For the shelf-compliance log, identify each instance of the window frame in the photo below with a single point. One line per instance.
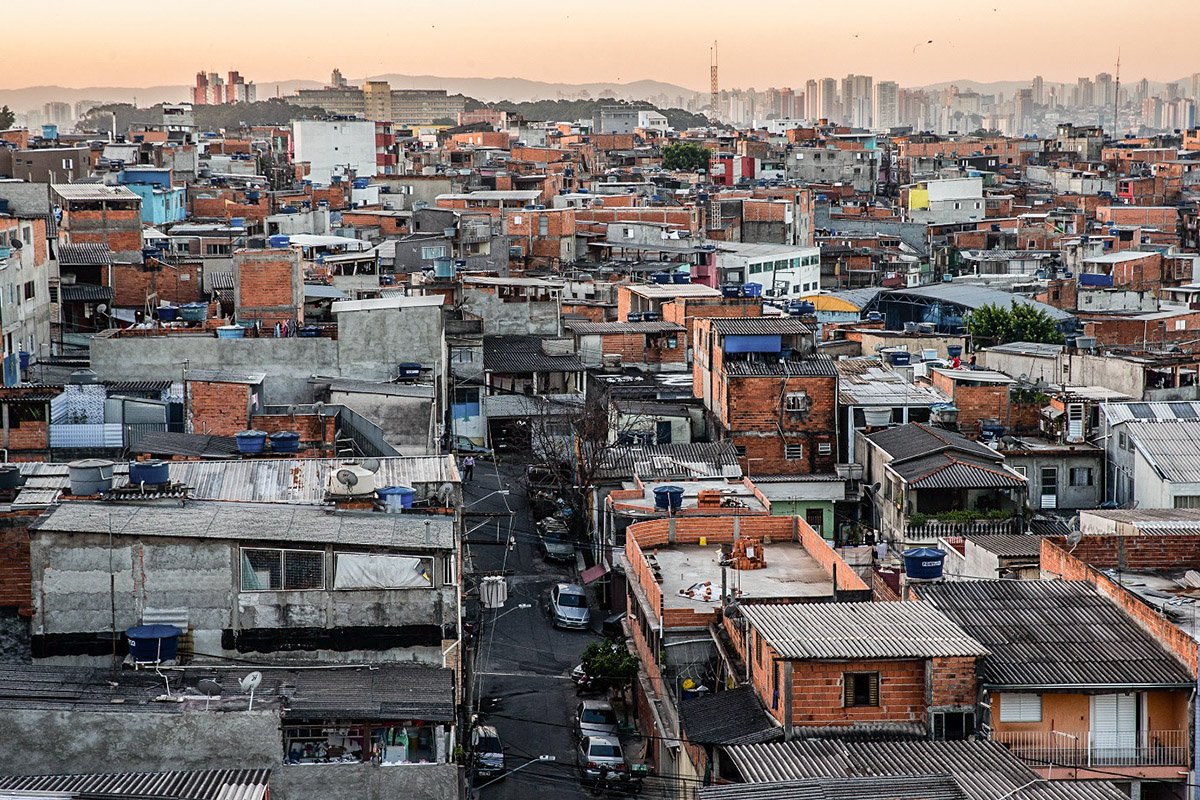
(793, 452)
(282, 551)
(1020, 710)
(850, 695)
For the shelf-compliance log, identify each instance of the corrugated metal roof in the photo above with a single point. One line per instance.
(1126, 412)
(586, 327)
(85, 293)
(972, 297)
(816, 366)
(84, 254)
(1171, 447)
(860, 630)
(941, 787)
(916, 439)
(206, 784)
(950, 471)
(524, 354)
(668, 461)
(1055, 634)
(1015, 545)
(866, 382)
(1028, 349)
(93, 191)
(724, 717)
(759, 326)
(984, 770)
(252, 522)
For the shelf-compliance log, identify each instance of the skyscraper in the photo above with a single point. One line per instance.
(811, 112)
(1039, 90)
(787, 103)
(857, 93)
(827, 104)
(887, 109)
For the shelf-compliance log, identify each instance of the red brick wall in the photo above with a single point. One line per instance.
(120, 230)
(176, 284)
(316, 432)
(31, 436)
(633, 347)
(817, 693)
(267, 286)
(15, 578)
(221, 409)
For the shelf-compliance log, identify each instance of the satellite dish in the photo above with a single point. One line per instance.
(445, 493)
(16, 243)
(1074, 539)
(210, 689)
(100, 309)
(347, 477)
(371, 464)
(249, 684)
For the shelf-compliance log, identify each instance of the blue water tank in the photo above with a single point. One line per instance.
(285, 441)
(149, 473)
(899, 358)
(803, 309)
(752, 290)
(443, 268)
(361, 183)
(309, 332)
(668, 497)
(251, 442)
(681, 276)
(651, 316)
(954, 350)
(150, 644)
(924, 563)
(633, 316)
(193, 312)
(49, 131)
(731, 290)
(168, 313)
(280, 240)
(396, 498)
(231, 332)
(237, 222)
(408, 370)
(660, 277)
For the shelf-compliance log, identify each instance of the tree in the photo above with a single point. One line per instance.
(7, 118)
(610, 664)
(686, 156)
(1020, 322)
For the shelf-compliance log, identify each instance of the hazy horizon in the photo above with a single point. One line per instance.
(976, 40)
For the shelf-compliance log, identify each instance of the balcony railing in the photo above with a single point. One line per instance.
(1083, 749)
(936, 528)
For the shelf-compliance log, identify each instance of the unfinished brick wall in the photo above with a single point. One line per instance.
(953, 681)
(818, 693)
(15, 576)
(316, 432)
(121, 230)
(178, 283)
(221, 409)
(268, 286)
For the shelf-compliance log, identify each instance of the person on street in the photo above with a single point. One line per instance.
(468, 468)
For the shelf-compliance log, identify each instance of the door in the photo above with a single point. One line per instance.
(662, 432)
(815, 518)
(1075, 422)
(1114, 728)
(1049, 494)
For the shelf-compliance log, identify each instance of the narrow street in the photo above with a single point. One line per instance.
(522, 663)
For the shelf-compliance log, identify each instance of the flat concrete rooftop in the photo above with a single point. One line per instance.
(790, 573)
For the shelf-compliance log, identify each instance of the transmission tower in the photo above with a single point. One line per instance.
(714, 89)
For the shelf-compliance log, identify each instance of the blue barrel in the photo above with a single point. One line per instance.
(168, 313)
(231, 332)
(193, 312)
(899, 358)
(149, 644)
(309, 332)
(251, 442)
(681, 276)
(280, 241)
(237, 222)
(633, 316)
(150, 473)
(23, 357)
(408, 370)
(660, 277)
(285, 441)
(731, 290)
(752, 290)
(396, 498)
(924, 563)
(954, 350)
(668, 497)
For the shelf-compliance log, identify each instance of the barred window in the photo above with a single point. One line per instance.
(270, 569)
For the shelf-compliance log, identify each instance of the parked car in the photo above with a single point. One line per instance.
(487, 754)
(557, 546)
(465, 447)
(569, 606)
(595, 718)
(601, 759)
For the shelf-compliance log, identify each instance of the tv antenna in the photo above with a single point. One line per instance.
(249, 684)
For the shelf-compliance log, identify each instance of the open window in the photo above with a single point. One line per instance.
(860, 689)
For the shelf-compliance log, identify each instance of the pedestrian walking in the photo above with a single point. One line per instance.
(468, 468)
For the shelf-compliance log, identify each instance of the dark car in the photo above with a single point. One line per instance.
(465, 447)
(487, 754)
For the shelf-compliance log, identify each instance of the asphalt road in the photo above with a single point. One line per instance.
(522, 663)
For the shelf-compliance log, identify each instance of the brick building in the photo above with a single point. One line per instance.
(268, 286)
(898, 665)
(220, 403)
(93, 213)
(768, 392)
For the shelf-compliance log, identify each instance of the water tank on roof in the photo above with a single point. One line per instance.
(284, 441)
(90, 476)
(899, 358)
(251, 442)
(396, 498)
(149, 473)
(153, 644)
(82, 377)
(924, 563)
(660, 277)
(668, 497)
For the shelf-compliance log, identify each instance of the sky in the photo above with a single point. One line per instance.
(776, 43)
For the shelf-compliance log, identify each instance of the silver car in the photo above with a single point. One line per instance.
(601, 757)
(569, 606)
(595, 718)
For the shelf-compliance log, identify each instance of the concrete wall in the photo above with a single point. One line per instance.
(408, 423)
(371, 343)
(512, 318)
(104, 741)
(287, 363)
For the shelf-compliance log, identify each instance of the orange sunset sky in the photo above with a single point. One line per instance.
(773, 43)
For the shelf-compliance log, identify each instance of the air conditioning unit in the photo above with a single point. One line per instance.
(350, 480)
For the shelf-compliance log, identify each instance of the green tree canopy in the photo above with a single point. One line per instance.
(609, 662)
(1021, 322)
(687, 156)
(7, 118)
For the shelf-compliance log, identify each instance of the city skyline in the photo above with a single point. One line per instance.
(979, 41)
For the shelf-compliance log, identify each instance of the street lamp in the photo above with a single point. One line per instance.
(539, 760)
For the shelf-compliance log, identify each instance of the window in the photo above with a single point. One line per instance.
(217, 249)
(739, 450)
(543, 225)
(860, 689)
(30, 290)
(1082, 476)
(793, 452)
(27, 234)
(1122, 441)
(428, 253)
(824, 448)
(367, 571)
(1022, 471)
(758, 650)
(1187, 501)
(1020, 707)
(797, 402)
(269, 569)
(952, 726)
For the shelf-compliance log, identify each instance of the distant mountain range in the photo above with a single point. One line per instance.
(485, 89)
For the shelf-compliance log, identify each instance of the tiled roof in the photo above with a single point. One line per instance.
(523, 354)
(759, 326)
(903, 442)
(724, 717)
(950, 470)
(84, 255)
(201, 784)
(984, 770)
(1055, 634)
(860, 631)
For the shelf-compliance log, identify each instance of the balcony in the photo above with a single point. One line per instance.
(1084, 749)
(932, 529)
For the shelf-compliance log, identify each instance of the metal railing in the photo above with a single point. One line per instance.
(1084, 749)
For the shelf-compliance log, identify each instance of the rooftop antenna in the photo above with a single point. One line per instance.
(249, 684)
(1117, 93)
(713, 85)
